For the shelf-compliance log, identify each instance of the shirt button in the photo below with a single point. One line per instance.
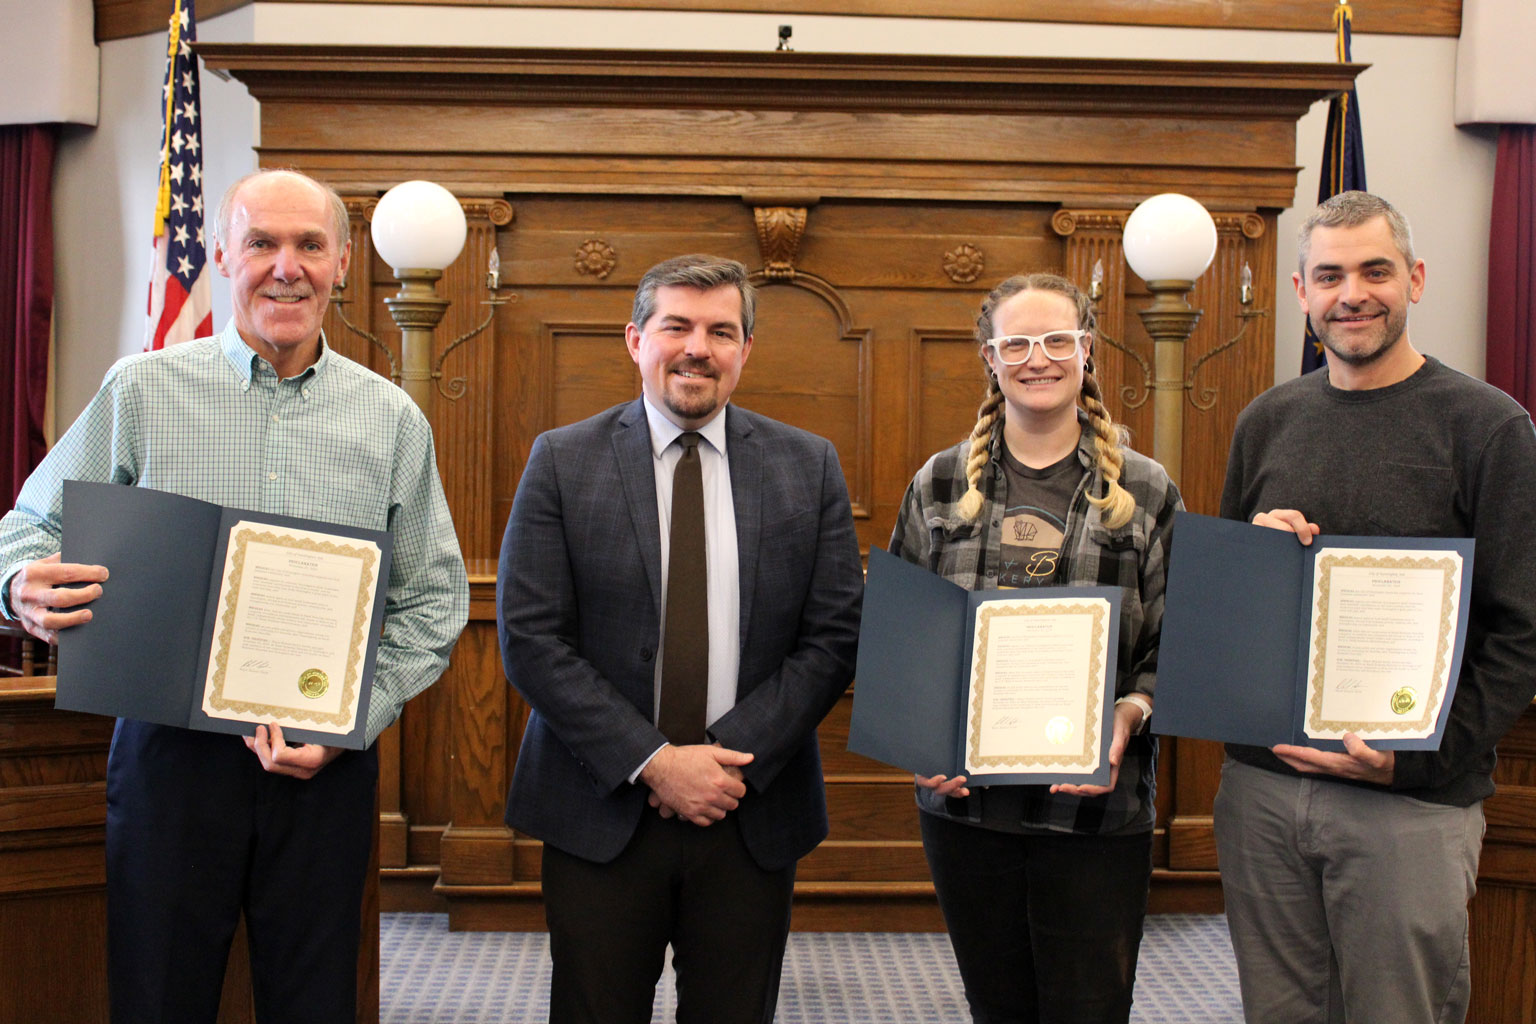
(274, 419)
(271, 476)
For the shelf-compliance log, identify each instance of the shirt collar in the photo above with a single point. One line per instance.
(664, 431)
(1087, 451)
(242, 357)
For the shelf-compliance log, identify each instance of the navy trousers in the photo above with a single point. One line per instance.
(198, 833)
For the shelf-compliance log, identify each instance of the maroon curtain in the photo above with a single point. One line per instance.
(26, 295)
(1512, 266)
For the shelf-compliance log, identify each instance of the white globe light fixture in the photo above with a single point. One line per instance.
(418, 229)
(1170, 237)
(419, 225)
(1169, 241)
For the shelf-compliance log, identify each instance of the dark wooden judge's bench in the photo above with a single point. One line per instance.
(877, 198)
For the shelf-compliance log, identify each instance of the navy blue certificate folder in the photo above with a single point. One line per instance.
(1233, 660)
(913, 672)
(145, 652)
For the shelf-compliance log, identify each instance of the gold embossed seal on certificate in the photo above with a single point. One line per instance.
(313, 683)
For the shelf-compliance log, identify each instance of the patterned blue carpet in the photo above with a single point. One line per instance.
(433, 976)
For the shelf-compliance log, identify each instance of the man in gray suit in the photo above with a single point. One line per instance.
(677, 665)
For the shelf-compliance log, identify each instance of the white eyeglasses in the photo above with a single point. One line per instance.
(1014, 349)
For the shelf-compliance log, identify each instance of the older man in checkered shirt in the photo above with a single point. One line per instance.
(263, 416)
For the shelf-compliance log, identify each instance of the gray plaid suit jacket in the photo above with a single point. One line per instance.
(579, 604)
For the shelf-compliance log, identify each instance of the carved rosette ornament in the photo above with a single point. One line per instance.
(595, 258)
(964, 263)
(779, 231)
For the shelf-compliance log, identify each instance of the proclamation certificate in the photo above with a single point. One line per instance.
(1037, 686)
(1383, 629)
(291, 629)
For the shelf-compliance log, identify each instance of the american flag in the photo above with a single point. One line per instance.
(180, 298)
(1343, 158)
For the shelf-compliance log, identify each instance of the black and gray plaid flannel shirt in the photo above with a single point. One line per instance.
(1134, 557)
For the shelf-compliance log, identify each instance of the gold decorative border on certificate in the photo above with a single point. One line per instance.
(1326, 564)
(368, 554)
(1087, 756)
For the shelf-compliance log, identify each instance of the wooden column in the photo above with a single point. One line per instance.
(477, 850)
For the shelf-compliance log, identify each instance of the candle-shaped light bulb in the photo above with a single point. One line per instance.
(1246, 293)
(1096, 288)
(493, 272)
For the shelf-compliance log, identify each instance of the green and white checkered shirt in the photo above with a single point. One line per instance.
(210, 420)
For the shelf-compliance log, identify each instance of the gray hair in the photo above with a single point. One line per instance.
(226, 211)
(1348, 210)
(696, 270)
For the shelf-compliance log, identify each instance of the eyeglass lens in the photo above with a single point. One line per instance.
(1016, 348)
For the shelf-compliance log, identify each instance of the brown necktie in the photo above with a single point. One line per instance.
(685, 645)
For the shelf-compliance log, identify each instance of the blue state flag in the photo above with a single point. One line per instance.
(1343, 160)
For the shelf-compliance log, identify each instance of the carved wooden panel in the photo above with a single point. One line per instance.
(1503, 913)
(1232, 378)
(811, 368)
(52, 856)
(53, 912)
(948, 382)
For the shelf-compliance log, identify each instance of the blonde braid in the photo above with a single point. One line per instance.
(981, 447)
(1116, 506)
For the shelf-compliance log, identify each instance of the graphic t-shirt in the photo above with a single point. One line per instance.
(1035, 519)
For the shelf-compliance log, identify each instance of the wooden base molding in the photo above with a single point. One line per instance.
(819, 906)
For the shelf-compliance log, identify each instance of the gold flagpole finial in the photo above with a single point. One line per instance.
(1341, 13)
(1343, 18)
(163, 196)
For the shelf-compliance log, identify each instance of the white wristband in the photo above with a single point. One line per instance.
(1140, 702)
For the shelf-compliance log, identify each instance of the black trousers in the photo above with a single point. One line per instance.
(1046, 928)
(197, 833)
(698, 889)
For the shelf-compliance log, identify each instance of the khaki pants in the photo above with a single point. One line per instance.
(1345, 902)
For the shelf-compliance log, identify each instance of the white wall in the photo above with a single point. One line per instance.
(49, 74)
(1496, 81)
(1439, 175)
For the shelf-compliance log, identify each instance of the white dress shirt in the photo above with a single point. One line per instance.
(722, 567)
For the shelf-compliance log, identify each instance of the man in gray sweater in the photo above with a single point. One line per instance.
(1347, 874)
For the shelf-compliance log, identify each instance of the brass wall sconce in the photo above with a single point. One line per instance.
(1169, 241)
(419, 229)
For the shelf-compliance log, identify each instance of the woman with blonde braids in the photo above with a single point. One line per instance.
(1044, 889)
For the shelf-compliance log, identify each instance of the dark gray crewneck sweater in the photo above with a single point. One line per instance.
(1439, 454)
